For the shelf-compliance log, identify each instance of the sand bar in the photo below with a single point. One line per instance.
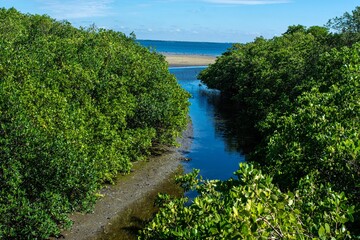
(188, 60)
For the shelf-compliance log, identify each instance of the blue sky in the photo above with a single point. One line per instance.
(185, 20)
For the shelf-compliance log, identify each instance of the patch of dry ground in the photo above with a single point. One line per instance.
(138, 187)
(132, 191)
(188, 60)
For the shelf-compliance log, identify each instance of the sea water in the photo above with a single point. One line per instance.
(189, 48)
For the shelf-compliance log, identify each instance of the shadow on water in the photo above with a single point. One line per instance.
(222, 136)
(234, 126)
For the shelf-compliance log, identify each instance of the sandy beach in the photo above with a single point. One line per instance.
(188, 60)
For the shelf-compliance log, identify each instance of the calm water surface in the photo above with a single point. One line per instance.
(215, 150)
(212, 150)
(177, 47)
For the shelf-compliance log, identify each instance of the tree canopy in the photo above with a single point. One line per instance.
(77, 106)
(346, 27)
(301, 91)
(348, 22)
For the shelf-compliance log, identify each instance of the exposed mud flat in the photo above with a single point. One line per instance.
(128, 204)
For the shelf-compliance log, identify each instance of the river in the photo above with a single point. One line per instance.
(212, 151)
(216, 148)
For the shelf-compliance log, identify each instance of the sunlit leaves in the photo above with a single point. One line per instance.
(322, 132)
(251, 207)
(77, 107)
(302, 91)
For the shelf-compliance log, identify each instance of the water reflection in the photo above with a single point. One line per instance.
(234, 126)
(217, 149)
(221, 138)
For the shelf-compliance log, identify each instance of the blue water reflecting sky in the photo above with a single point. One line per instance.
(209, 151)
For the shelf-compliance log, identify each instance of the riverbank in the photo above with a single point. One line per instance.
(136, 189)
(179, 60)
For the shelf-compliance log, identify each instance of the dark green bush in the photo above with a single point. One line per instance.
(301, 90)
(251, 207)
(77, 106)
(323, 131)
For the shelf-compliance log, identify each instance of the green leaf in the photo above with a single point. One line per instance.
(260, 208)
(321, 232)
(327, 228)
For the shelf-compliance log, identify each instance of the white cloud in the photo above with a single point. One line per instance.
(75, 9)
(248, 2)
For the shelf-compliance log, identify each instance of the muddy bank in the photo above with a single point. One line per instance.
(131, 193)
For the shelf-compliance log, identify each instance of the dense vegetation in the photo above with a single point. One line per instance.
(251, 207)
(77, 106)
(302, 92)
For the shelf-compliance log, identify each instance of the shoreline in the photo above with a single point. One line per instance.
(187, 60)
(147, 178)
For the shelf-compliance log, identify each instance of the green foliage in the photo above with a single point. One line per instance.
(261, 74)
(302, 92)
(323, 131)
(348, 22)
(77, 106)
(251, 207)
(346, 27)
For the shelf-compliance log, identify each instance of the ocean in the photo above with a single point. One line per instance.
(191, 48)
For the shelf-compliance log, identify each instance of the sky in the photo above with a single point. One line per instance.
(185, 20)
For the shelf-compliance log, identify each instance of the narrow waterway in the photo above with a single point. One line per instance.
(214, 149)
